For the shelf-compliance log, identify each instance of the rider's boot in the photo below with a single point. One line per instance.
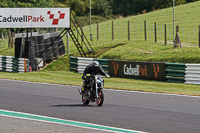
(82, 90)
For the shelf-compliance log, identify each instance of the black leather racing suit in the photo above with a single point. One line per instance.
(92, 70)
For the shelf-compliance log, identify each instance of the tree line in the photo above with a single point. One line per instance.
(107, 8)
(104, 8)
(131, 7)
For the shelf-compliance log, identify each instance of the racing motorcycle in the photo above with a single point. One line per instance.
(93, 91)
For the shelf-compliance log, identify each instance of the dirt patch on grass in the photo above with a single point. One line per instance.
(100, 51)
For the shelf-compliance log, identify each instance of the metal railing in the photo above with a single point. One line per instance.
(15, 65)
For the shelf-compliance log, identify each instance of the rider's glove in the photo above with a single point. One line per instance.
(108, 76)
(83, 77)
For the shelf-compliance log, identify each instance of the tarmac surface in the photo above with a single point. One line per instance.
(15, 125)
(147, 112)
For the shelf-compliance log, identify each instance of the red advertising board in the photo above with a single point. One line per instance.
(34, 17)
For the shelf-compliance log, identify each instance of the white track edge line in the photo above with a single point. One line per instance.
(69, 121)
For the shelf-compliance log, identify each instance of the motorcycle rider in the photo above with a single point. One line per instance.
(93, 69)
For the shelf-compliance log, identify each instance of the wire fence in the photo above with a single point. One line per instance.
(128, 30)
(117, 30)
(3, 40)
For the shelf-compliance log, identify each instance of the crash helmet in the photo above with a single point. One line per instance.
(95, 64)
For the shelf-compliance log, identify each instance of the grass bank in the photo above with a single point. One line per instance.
(152, 52)
(139, 50)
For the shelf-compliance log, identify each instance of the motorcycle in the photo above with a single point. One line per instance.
(93, 90)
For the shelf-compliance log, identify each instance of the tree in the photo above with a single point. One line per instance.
(102, 8)
(7, 3)
(78, 6)
(191, 1)
(35, 3)
(124, 7)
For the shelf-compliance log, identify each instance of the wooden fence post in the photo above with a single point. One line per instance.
(112, 31)
(155, 32)
(9, 38)
(12, 39)
(165, 34)
(145, 30)
(128, 30)
(177, 39)
(199, 36)
(97, 31)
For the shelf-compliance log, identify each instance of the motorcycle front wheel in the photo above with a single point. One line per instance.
(85, 100)
(100, 100)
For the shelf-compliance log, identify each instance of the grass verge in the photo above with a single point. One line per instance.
(71, 78)
(152, 52)
(7, 51)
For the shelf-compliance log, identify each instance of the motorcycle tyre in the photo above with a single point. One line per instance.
(101, 98)
(85, 100)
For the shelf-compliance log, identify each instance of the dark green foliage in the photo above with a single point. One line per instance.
(191, 0)
(27, 3)
(128, 7)
(78, 6)
(103, 8)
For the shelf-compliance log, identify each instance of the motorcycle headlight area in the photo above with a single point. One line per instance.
(99, 83)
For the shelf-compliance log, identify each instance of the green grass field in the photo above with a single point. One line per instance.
(4, 50)
(186, 16)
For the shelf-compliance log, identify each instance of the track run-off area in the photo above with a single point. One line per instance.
(122, 111)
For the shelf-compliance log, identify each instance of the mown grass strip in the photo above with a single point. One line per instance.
(72, 78)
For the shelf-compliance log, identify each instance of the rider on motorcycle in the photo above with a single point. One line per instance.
(93, 69)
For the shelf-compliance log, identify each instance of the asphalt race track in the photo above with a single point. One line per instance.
(147, 112)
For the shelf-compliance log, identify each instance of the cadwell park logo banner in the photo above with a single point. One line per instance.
(137, 70)
(34, 17)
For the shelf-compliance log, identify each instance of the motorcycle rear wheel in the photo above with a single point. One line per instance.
(100, 100)
(85, 100)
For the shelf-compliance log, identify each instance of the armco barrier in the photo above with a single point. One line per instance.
(11, 64)
(192, 74)
(175, 72)
(78, 64)
(73, 63)
(82, 63)
(103, 63)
